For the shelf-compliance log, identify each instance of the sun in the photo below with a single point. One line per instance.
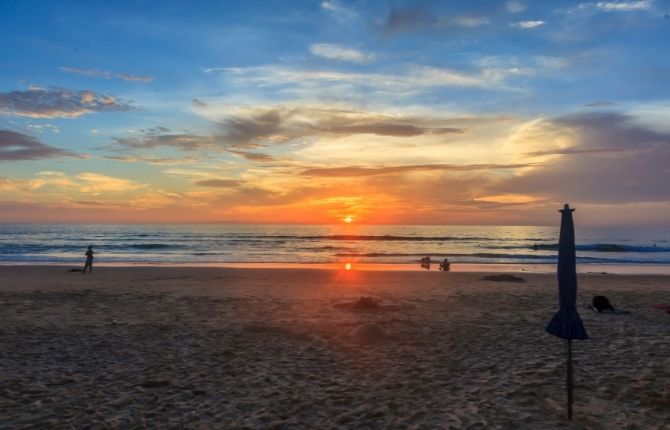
(348, 219)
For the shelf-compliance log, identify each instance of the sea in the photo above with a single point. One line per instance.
(380, 244)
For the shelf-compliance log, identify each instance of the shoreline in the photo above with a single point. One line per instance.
(603, 269)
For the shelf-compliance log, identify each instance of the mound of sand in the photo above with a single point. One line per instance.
(369, 333)
(362, 304)
(372, 304)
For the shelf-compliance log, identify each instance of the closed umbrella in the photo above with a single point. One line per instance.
(567, 324)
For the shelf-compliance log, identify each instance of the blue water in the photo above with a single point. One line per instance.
(23, 243)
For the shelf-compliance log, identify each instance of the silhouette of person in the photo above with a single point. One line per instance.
(425, 263)
(89, 261)
(445, 265)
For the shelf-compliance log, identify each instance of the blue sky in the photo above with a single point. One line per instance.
(309, 111)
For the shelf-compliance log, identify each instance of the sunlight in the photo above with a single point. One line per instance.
(347, 266)
(348, 219)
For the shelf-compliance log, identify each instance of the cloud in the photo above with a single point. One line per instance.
(600, 104)
(577, 151)
(152, 160)
(136, 78)
(409, 80)
(262, 126)
(252, 156)
(339, 53)
(354, 171)
(40, 128)
(603, 158)
(220, 183)
(337, 8)
(399, 20)
(421, 18)
(238, 134)
(95, 183)
(330, 5)
(624, 6)
(591, 21)
(17, 146)
(183, 141)
(52, 183)
(391, 129)
(527, 24)
(91, 73)
(105, 74)
(39, 102)
(514, 7)
(464, 21)
(254, 125)
(340, 12)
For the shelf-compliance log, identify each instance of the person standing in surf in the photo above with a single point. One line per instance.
(89, 260)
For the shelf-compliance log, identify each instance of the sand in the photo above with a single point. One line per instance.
(289, 349)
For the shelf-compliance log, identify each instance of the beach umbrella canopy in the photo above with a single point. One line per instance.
(567, 323)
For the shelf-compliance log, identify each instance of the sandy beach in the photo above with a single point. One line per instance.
(234, 348)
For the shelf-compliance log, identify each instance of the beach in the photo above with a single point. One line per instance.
(207, 347)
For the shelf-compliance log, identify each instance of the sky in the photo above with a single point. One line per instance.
(388, 112)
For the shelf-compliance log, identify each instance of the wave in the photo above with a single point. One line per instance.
(604, 247)
(148, 246)
(324, 248)
(353, 237)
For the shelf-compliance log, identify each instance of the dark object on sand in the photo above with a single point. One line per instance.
(567, 323)
(603, 306)
(365, 303)
(503, 278)
(75, 270)
(601, 303)
(370, 304)
(662, 307)
(370, 334)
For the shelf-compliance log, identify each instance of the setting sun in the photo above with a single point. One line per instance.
(348, 219)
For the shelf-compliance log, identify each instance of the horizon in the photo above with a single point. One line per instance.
(332, 224)
(315, 113)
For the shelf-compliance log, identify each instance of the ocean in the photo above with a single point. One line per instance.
(187, 244)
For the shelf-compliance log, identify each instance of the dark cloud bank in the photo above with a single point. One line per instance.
(58, 103)
(17, 146)
(616, 159)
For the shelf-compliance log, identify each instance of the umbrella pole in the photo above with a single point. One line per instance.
(569, 379)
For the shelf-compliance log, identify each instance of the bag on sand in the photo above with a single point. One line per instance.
(601, 303)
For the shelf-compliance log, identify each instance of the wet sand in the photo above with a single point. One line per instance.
(290, 348)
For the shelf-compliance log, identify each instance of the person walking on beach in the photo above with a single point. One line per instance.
(89, 261)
